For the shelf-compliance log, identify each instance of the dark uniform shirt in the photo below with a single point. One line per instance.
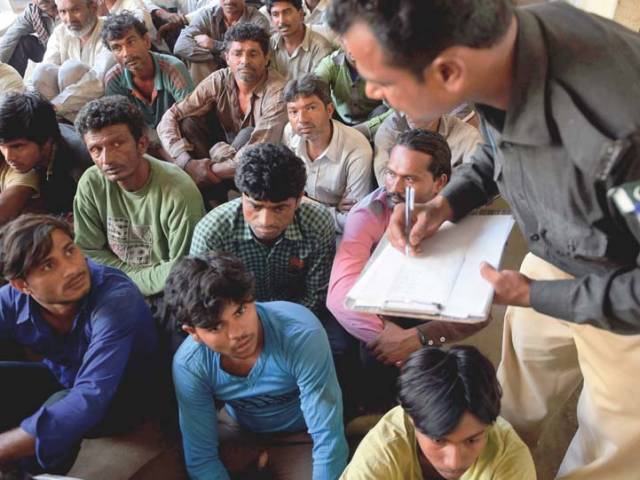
(570, 134)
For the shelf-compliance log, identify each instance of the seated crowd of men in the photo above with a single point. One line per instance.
(121, 245)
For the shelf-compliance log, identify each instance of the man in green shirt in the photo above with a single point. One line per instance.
(348, 95)
(286, 243)
(446, 426)
(131, 211)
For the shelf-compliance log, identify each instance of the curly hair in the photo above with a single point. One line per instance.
(270, 172)
(29, 116)
(438, 386)
(242, 32)
(110, 110)
(199, 288)
(116, 26)
(26, 241)
(414, 32)
(307, 85)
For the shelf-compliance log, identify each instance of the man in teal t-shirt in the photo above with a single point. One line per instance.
(131, 211)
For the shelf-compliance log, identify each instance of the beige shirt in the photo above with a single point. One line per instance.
(461, 137)
(342, 171)
(63, 46)
(305, 57)
(267, 113)
(12, 178)
(10, 79)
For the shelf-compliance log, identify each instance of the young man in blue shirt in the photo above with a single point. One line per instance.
(268, 363)
(95, 337)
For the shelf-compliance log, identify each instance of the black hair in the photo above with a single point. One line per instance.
(296, 3)
(432, 144)
(199, 288)
(29, 116)
(116, 26)
(307, 85)
(270, 172)
(242, 32)
(26, 241)
(438, 386)
(110, 110)
(414, 32)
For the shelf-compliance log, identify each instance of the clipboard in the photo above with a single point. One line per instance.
(443, 282)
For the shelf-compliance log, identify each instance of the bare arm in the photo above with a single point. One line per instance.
(14, 445)
(13, 200)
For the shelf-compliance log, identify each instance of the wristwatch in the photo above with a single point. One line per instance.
(427, 342)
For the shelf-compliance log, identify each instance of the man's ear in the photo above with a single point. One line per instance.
(191, 331)
(143, 144)
(21, 285)
(440, 182)
(447, 71)
(330, 109)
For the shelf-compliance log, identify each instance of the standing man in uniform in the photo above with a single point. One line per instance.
(559, 136)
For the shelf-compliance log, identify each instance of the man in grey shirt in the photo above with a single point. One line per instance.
(202, 42)
(553, 86)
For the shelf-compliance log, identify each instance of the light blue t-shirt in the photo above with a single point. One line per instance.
(292, 387)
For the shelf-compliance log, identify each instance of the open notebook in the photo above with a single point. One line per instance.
(443, 282)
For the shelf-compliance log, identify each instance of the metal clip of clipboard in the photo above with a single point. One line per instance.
(431, 308)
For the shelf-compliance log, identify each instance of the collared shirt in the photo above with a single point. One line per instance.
(348, 94)
(461, 137)
(63, 46)
(365, 226)
(142, 13)
(304, 59)
(561, 144)
(210, 21)
(342, 171)
(292, 387)
(267, 113)
(112, 338)
(296, 268)
(171, 83)
(23, 25)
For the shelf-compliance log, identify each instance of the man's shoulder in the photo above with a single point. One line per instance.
(275, 82)
(319, 41)
(114, 76)
(173, 68)
(351, 138)
(315, 219)
(254, 16)
(222, 219)
(191, 355)
(91, 179)
(112, 288)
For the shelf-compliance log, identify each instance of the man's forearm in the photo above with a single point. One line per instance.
(14, 445)
(224, 170)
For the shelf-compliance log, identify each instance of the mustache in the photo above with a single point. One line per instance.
(395, 197)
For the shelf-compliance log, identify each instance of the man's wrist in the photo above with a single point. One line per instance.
(427, 341)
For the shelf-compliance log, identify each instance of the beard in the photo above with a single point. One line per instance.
(395, 198)
(84, 30)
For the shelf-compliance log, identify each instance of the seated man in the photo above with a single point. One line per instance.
(461, 137)
(295, 48)
(269, 363)
(236, 106)
(446, 426)
(75, 61)
(337, 157)
(348, 95)
(131, 211)
(287, 244)
(96, 338)
(32, 142)
(421, 160)
(151, 81)
(202, 42)
(26, 39)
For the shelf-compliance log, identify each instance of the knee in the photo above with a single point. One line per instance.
(44, 79)
(71, 72)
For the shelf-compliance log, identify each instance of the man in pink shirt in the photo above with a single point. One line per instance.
(421, 160)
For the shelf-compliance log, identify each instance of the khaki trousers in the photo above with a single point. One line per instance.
(543, 361)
